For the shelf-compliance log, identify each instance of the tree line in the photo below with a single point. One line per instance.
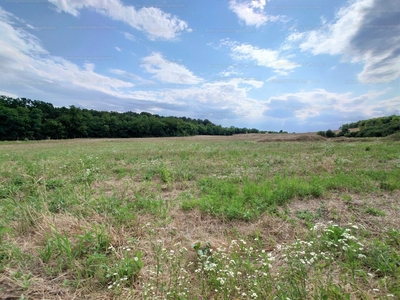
(22, 118)
(377, 127)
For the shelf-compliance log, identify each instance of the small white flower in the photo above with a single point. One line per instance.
(135, 258)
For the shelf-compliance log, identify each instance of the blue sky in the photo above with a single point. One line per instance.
(292, 65)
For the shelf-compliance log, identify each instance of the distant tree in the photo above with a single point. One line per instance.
(24, 118)
(330, 134)
(53, 129)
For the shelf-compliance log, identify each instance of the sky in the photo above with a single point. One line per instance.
(297, 66)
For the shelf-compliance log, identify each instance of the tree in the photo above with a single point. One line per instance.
(330, 134)
(53, 129)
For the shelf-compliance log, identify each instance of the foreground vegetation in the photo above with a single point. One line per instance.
(198, 218)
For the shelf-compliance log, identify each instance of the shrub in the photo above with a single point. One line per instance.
(330, 134)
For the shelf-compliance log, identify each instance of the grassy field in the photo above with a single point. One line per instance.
(243, 217)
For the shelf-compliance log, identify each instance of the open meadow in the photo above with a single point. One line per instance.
(254, 216)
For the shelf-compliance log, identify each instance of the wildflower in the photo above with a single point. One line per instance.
(254, 295)
(135, 258)
(361, 256)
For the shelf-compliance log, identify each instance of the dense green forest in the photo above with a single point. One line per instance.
(377, 127)
(22, 118)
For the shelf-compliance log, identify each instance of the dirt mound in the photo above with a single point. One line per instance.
(310, 138)
(393, 137)
(292, 138)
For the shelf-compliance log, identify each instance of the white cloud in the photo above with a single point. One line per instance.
(218, 100)
(129, 36)
(27, 67)
(262, 57)
(118, 49)
(365, 31)
(387, 107)
(229, 72)
(151, 20)
(135, 79)
(252, 12)
(167, 71)
(248, 81)
(319, 102)
(12, 95)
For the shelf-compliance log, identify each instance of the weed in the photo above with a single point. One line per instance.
(165, 174)
(375, 212)
(306, 215)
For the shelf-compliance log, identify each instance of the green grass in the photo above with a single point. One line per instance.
(200, 219)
